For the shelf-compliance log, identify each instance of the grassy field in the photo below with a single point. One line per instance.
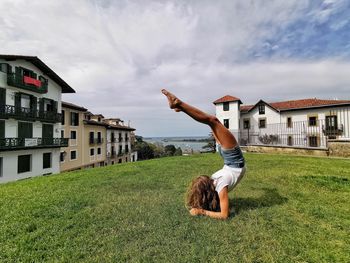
(286, 209)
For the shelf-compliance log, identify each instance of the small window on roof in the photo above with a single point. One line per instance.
(261, 109)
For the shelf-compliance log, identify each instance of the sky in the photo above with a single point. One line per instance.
(117, 55)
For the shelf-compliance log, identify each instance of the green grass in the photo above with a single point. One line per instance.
(286, 209)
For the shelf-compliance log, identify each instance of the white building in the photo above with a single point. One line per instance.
(119, 142)
(301, 123)
(30, 116)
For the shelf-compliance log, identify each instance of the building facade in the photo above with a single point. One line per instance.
(298, 123)
(94, 140)
(30, 118)
(120, 140)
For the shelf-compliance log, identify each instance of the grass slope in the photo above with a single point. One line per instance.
(286, 209)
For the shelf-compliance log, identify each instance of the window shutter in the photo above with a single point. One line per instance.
(2, 96)
(33, 103)
(18, 101)
(9, 68)
(41, 105)
(19, 75)
(2, 129)
(54, 106)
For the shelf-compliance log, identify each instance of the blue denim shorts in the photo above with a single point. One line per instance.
(232, 157)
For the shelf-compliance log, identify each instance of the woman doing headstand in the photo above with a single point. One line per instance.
(209, 195)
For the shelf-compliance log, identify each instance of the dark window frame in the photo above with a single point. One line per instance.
(312, 121)
(75, 136)
(47, 160)
(20, 165)
(226, 106)
(260, 124)
(227, 123)
(245, 122)
(261, 109)
(75, 155)
(74, 118)
(92, 151)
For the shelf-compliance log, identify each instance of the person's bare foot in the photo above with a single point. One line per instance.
(174, 102)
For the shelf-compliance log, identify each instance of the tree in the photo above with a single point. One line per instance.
(211, 145)
(144, 150)
(169, 150)
(178, 152)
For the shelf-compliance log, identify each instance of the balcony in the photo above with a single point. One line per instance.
(96, 140)
(333, 131)
(7, 144)
(17, 81)
(28, 114)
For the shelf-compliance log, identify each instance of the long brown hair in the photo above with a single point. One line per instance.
(202, 194)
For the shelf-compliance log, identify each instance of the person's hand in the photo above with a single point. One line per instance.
(196, 211)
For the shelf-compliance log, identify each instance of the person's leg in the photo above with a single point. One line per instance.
(222, 135)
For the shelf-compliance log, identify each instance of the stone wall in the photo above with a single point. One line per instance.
(285, 150)
(336, 148)
(339, 148)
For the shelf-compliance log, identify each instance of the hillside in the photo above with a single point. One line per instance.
(286, 209)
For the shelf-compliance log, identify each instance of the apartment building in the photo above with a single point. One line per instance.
(72, 127)
(94, 140)
(297, 123)
(120, 139)
(30, 118)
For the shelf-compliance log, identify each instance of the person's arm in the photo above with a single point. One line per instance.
(224, 205)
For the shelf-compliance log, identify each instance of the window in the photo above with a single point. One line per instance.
(24, 163)
(313, 141)
(331, 123)
(261, 109)
(91, 137)
(289, 122)
(25, 101)
(98, 151)
(46, 160)
(226, 123)
(246, 124)
(73, 155)
(120, 137)
(73, 135)
(119, 160)
(25, 130)
(312, 121)
(99, 119)
(62, 154)
(4, 67)
(290, 140)
(112, 137)
(63, 117)
(74, 119)
(99, 138)
(62, 133)
(126, 148)
(92, 152)
(226, 106)
(120, 149)
(262, 123)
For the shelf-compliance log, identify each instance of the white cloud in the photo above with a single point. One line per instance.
(117, 55)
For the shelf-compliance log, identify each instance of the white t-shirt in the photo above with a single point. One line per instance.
(227, 176)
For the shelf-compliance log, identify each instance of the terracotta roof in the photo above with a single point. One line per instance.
(227, 98)
(298, 104)
(306, 103)
(44, 68)
(72, 106)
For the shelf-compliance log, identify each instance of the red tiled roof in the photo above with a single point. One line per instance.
(227, 98)
(306, 103)
(298, 104)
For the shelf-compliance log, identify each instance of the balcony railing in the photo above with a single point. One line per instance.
(22, 143)
(96, 140)
(21, 113)
(332, 131)
(17, 81)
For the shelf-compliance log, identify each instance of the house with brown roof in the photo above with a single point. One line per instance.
(30, 118)
(298, 123)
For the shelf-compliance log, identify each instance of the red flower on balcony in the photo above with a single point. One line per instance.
(29, 80)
